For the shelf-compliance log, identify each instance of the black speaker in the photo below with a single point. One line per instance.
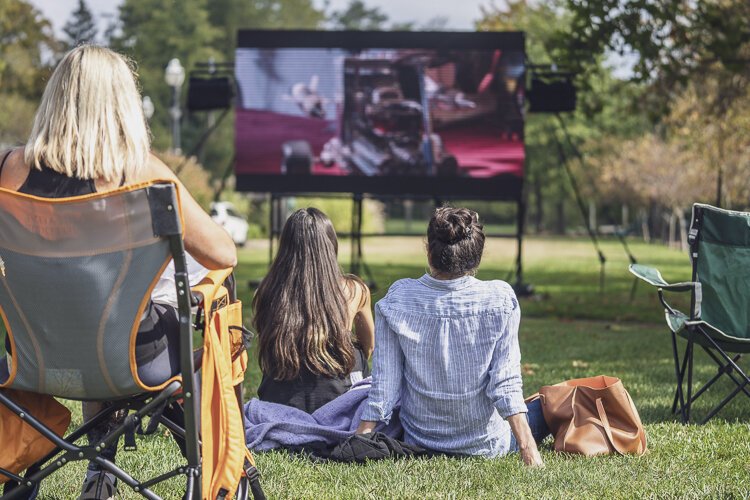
(209, 93)
(552, 94)
(297, 158)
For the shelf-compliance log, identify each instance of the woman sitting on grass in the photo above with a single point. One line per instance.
(304, 312)
(447, 346)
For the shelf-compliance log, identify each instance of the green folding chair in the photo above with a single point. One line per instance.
(75, 277)
(719, 317)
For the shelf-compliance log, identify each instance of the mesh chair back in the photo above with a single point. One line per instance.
(77, 274)
(720, 249)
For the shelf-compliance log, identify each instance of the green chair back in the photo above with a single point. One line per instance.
(720, 248)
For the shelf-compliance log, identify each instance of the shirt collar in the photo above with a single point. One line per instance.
(454, 284)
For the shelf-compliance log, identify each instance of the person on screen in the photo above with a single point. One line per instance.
(89, 135)
(446, 346)
(305, 309)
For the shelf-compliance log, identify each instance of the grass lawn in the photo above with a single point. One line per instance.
(570, 329)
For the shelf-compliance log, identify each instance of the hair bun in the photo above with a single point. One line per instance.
(453, 225)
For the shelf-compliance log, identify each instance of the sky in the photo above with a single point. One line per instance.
(461, 14)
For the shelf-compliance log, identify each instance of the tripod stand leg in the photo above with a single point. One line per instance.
(357, 260)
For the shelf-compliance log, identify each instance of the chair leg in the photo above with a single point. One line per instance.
(679, 374)
(724, 402)
(726, 367)
(689, 400)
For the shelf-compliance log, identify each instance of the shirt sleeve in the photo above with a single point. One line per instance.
(387, 372)
(505, 387)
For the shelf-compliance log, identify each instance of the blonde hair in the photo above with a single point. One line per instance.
(90, 122)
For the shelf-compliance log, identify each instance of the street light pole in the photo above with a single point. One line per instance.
(148, 107)
(174, 75)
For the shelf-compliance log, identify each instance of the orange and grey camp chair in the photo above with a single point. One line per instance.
(75, 277)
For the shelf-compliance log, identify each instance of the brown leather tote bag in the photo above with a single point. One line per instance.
(20, 444)
(593, 416)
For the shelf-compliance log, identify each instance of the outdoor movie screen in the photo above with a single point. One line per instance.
(380, 112)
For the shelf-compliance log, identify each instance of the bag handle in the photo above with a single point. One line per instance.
(571, 426)
(608, 430)
(641, 431)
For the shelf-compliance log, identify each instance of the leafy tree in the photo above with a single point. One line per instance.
(81, 27)
(675, 41)
(154, 31)
(26, 47)
(357, 16)
(232, 15)
(604, 109)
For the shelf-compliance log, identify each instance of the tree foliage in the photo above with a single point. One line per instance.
(675, 41)
(357, 16)
(231, 15)
(693, 61)
(27, 46)
(605, 108)
(81, 27)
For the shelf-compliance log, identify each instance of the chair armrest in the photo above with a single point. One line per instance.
(652, 276)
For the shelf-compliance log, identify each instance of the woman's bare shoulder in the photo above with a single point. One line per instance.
(155, 169)
(14, 170)
(12, 156)
(358, 291)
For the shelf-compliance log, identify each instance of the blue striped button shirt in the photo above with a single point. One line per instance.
(449, 350)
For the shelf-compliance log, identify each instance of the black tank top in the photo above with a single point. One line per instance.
(47, 183)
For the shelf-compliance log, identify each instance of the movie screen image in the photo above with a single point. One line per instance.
(380, 112)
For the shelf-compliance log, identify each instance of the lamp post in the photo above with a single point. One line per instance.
(174, 75)
(148, 107)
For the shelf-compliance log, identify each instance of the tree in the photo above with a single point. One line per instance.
(81, 27)
(357, 16)
(675, 41)
(604, 109)
(152, 32)
(27, 45)
(229, 16)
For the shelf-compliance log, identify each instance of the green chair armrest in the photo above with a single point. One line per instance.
(652, 276)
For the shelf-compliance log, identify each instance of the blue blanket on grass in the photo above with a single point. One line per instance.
(272, 425)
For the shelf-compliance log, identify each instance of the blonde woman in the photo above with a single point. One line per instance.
(90, 135)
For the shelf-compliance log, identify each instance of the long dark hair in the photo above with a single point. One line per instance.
(300, 307)
(455, 241)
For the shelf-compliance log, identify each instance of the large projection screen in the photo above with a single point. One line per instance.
(391, 113)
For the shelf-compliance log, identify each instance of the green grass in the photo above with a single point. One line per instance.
(416, 227)
(570, 329)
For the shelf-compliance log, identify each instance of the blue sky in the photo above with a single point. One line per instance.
(460, 13)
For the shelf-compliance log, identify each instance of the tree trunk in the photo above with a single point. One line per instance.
(561, 222)
(672, 226)
(683, 231)
(644, 226)
(538, 201)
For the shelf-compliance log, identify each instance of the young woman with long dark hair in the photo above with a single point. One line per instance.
(447, 347)
(305, 309)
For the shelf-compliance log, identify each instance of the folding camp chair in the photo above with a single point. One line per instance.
(719, 318)
(75, 277)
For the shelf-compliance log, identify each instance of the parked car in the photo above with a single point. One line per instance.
(226, 215)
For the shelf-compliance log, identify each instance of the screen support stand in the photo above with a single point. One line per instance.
(274, 222)
(357, 261)
(522, 289)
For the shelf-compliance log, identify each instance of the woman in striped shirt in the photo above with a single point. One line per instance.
(446, 346)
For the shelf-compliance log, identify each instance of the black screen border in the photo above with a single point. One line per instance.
(507, 187)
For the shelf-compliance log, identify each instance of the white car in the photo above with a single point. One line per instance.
(225, 215)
